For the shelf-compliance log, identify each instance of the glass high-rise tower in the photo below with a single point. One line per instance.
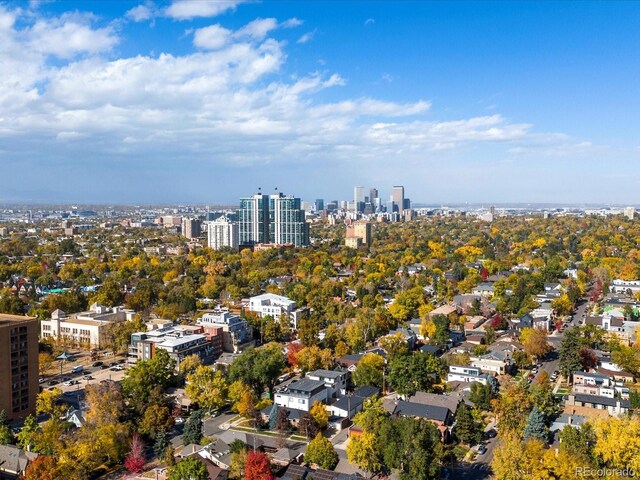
(276, 218)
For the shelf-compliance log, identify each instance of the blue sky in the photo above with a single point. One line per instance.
(197, 101)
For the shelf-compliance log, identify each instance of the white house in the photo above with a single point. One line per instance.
(302, 394)
(334, 380)
(459, 373)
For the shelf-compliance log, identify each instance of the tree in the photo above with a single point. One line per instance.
(441, 334)
(512, 408)
(28, 432)
(515, 459)
(412, 446)
(308, 426)
(41, 468)
(236, 391)
(258, 367)
(536, 427)
(578, 441)
(372, 415)
(189, 468)
(6, 434)
(363, 451)
(157, 419)
(238, 463)
(189, 364)
(247, 405)
(106, 405)
(47, 403)
(148, 376)
(588, 359)
(207, 388)
(417, 372)
(45, 362)
(321, 452)
(319, 414)
(617, 444)
(134, 462)
(541, 394)
(627, 358)
(467, 429)
(369, 370)
(313, 358)
(169, 455)
(534, 341)
(562, 305)
(427, 328)
(193, 428)
(110, 293)
(161, 443)
(395, 345)
(257, 467)
(481, 395)
(569, 355)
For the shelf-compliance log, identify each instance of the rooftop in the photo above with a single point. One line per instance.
(7, 318)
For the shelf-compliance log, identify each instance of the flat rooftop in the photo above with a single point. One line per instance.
(8, 318)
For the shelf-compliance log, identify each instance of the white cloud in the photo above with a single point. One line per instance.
(212, 37)
(233, 102)
(292, 22)
(145, 11)
(387, 77)
(188, 9)
(369, 21)
(307, 37)
(70, 35)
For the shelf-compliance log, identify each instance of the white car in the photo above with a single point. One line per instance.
(67, 384)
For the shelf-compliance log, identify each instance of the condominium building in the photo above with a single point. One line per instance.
(237, 334)
(275, 306)
(18, 365)
(191, 228)
(277, 219)
(223, 233)
(358, 233)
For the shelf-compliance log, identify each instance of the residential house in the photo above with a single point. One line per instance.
(592, 404)
(485, 290)
(334, 380)
(458, 373)
(302, 394)
(408, 335)
(565, 419)
(439, 416)
(493, 362)
(14, 461)
(353, 403)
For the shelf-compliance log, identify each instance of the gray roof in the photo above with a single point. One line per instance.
(305, 385)
(366, 391)
(429, 412)
(597, 399)
(447, 401)
(567, 419)
(326, 373)
(14, 459)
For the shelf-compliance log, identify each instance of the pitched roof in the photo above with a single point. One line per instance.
(429, 412)
(447, 401)
(14, 459)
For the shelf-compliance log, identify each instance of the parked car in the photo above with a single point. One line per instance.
(482, 450)
(68, 384)
(87, 377)
(97, 364)
(53, 382)
(41, 380)
(77, 369)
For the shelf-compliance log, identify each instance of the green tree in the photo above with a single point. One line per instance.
(536, 426)
(6, 434)
(259, 367)
(207, 388)
(441, 334)
(110, 293)
(189, 468)
(193, 428)
(321, 452)
(145, 377)
(467, 429)
(157, 419)
(481, 396)
(569, 360)
(27, 434)
(417, 372)
(160, 444)
(369, 371)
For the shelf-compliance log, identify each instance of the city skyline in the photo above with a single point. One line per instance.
(189, 102)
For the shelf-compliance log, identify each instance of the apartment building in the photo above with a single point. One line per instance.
(237, 334)
(18, 365)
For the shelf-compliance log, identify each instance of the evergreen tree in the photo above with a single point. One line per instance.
(569, 356)
(273, 417)
(467, 429)
(161, 443)
(536, 427)
(481, 396)
(6, 434)
(193, 428)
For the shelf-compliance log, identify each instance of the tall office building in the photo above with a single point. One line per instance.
(276, 218)
(223, 233)
(398, 198)
(319, 205)
(18, 365)
(358, 199)
(191, 228)
(373, 194)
